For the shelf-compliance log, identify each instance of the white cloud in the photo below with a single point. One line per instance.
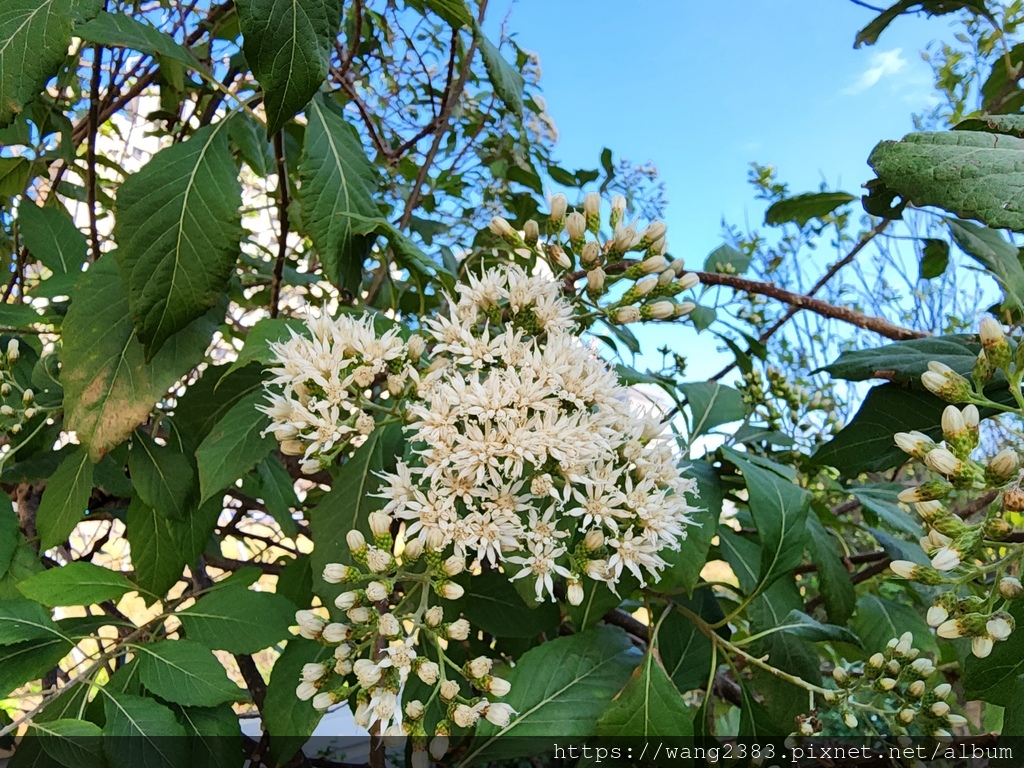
(883, 64)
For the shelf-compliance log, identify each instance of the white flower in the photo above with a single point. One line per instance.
(499, 714)
(323, 701)
(465, 717)
(458, 630)
(981, 646)
(998, 628)
(945, 559)
(400, 656)
(936, 615)
(367, 672)
(428, 672)
(310, 625)
(498, 686)
(305, 691)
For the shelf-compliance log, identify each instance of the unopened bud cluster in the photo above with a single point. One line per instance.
(899, 685)
(18, 404)
(789, 407)
(648, 282)
(384, 630)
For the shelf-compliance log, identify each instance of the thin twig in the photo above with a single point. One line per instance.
(282, 240)
(94, 126)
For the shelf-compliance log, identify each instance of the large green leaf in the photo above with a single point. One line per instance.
(123, 31)
(802, 208)
(493, 604)
(560, 688)
(34, 40)
(507, 81)
(834, 581)
(52, 237)
(1010, 125)
(214, 735)
(289, 46)
(72, 743)
(779, 508)
(141, 733)
(163, 476)
(905, 361)
(990, 249)
(185, 672)
(65, 499)
(289, 722)
(878, 620)
(207, 400)
(350, 502)
(178, 228)
(238, 620)
(77, 583)
(109, 388)
(234, 446)
(866, 443)
(21, 620)
(10, 536)
(712, 404)
(337, 180)
(686, 651)
(799, 624)
(973, 175)
(649, 705)
(30, 660)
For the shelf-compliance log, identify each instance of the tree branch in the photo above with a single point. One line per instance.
(282, 240)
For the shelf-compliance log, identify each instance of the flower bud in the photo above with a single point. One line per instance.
(659, 310)
(685, 308)
(996, 529)
(305, 691)
(943, 381)
(380, 524)
(434, 616)
(957, 721)
(428, 672)
(30, 413)
(499, 225)
(937, 614)
(841, 676)
(1002, 467)
(999, 626)
(5, 389)
(592, 204)
(597, 569)
(652, 265)
(576, 226)
(876, 661)
(559, 204)
(379, 560)
(449, 590)
(942, 690)
(438, 747)
(343, 651)
(618, 210)
(626, 315)
(313, 672)
(323, 701)
(376, 592)
(929, 510)
(939, 709)
(952, 421)
(497, 686)
(595, 282)
(449, 690)
(666, 277)
(434, 541)
(355, 540)
(849, 720)
(922, 668)
(367, 673)
(558, 257)
(574, 592)
(13, 351)
(388, 626)
(336, 573)
(415, 347)
(310, 625)
(531, 232)
(942, 461)
(1010, 588)
(950, 629)
(644, 286)
(414, 710)
(465, 717)
(654, 231)
(938, 489)
(993, 340)
(916, 689)
(1013, 499)
(347, 600)
(946, 559)
(903, 568)
(6, 410)
(594, 539)
(413, 550)
(454, 565)
(906, 716)
(458, 630)
(360, 615)
(916, 444)
(336, 633)
(478, 667)
(499, 714)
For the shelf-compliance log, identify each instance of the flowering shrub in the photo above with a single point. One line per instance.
(313, 402)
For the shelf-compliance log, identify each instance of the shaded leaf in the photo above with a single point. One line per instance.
(990, 249)
(492, 604)
(163, 476)
(834, 581)
(878, 620)
(290, 724)
(905, 361)
(30, 660)
(712, 404)
(934, 258)
(234, 446)
(507, 81)
(141, 733)
(649, 705)
(65, 499)
(238, 620)
(21, 620)
(77, 583)
(802, 208)
(185, 672)
(123, 31)
(52, 237)
(72, 743)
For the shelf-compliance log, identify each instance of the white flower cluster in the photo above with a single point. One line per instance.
(527, 452)
(325, 379)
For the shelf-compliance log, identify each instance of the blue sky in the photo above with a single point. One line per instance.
(703, 89)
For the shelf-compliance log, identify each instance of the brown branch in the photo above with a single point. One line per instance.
(978, 504)
(634, 627)
(282, 240)
(357, 33)
(860, 557)
(799, 301)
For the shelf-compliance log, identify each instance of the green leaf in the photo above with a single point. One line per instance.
(238, 620)
(869, 35)
(702, 317)
(72, 743)
(727, 259)
(52, 238)
(65, 499)
(881, 500)
(802, 208)
(834, 581)
(878, 620)
(1009, 125)
(454, 12)
(685, 650)
(141, 733)
(866, 443)
(34, 40)
(289, 47)
(966, 173)
(712, 404)
(997, 677)
(271, 483)
(507, 81)
(559, 688)
(207, 400)
(215, 736)
(492, 603)
(18, 316)
(21, 620)
(257, 343)
(905, 361)
(598, 600)
(336, 181)
(109, 388)
(686, 564)
(185, 672)
(408, 254)
(24, 662)
(10, 536)
(649, 705)
(988, 248)
(234, 446)
(163, 476)
(799, 624)
(289, 723)
(934, 258)
(178, 228)
(123, 31)
(779, 508)
(77, 583)
(295, 581)
(350, 502)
